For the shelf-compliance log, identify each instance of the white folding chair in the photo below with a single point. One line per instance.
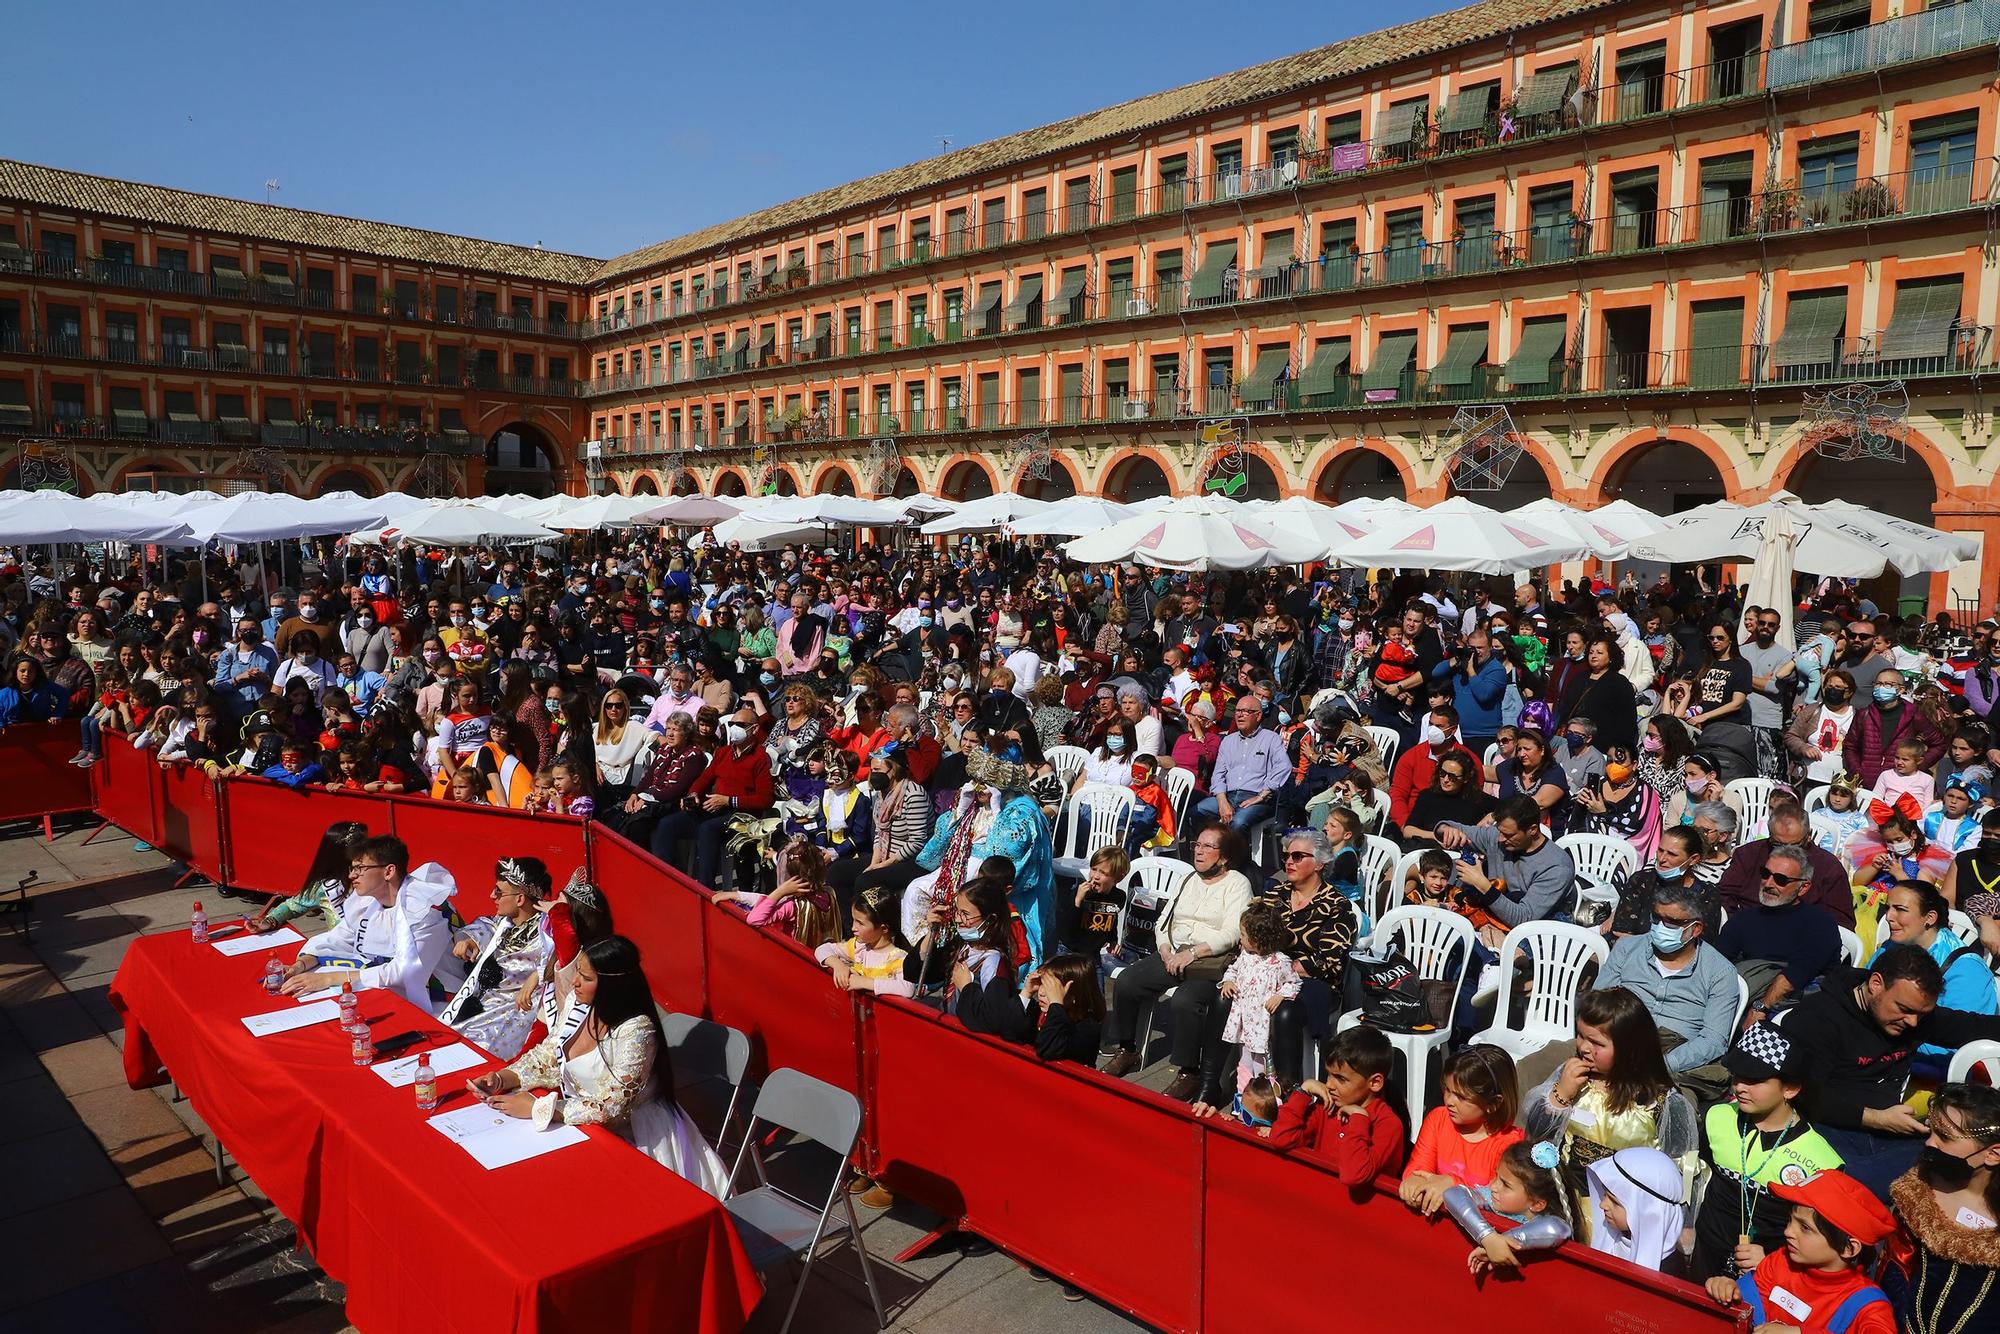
(1107, 810)
(1386, 740)
(1756, 796)
(1439, 942)
(1850, 947)
(1068, 762)
(1379, 890)
(774, 1224)
(1983, 1055)
(1557, 954)
(1964, 927)
(1179, 784)
(1152, 884)
(1600, 857)
(1815, 799)
(1406, 866)
(703, 1052)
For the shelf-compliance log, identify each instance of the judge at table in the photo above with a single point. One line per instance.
(392, 929)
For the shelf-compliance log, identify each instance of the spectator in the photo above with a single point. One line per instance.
(1250, 767)
(1788, 825)
(1784, 944)
(1686, 984)
(1870, 745)
(737, 778)
(30, 697)
(1416, 767)
(1521, 874)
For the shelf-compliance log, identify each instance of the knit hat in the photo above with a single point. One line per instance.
(1843, 1202)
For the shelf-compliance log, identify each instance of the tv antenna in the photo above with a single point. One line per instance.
(944, 143)
(271, 187)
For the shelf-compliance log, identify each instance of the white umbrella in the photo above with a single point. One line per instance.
(753, 533)
(1922, 536)
(912, 506)
(1457, 534)
(1770, 583)
(455, 523)
(1199, 533)
(1070, 518)
(255, 517)
(829, 512)
(986, 514)
(1825, 542)
(1609, 531)
(690, 511)
(38, 518)
(597, 512)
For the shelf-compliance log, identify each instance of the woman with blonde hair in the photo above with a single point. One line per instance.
(623, 748)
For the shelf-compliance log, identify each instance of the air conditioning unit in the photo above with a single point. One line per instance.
(1138, 305)
(1137, 409)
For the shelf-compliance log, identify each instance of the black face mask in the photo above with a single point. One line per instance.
(1835, 695)
(1945, 1171)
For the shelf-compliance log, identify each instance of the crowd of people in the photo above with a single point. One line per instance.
(958, 773)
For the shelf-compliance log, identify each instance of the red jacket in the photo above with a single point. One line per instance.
(1358, 1149)
(746, 778)
(923, 755)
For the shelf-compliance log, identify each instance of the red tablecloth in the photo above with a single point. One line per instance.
(593, 1237)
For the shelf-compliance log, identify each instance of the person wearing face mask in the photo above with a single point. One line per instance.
(371, 642)
(310, 616)
(737, 779)
(1817, 738)
(1686, 983)
(1887, 722)
(304, 664)
(1111, 762)
(1701, 781)
(244, 670)
(1784, 944)
(1416, 767)
(280, 614)
(1947, 1205)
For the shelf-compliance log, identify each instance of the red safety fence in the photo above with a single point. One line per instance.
(36, 777)
(1186, 1224)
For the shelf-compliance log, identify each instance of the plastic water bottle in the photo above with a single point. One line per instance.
(364, 1045)
(349, 1004)
(200, 923)
(274, 975)
(427, 1085)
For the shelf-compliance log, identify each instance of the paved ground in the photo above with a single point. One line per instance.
(112, 1215)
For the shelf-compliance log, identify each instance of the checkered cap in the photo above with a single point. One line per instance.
(1762, 1052)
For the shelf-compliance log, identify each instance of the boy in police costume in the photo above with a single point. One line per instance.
(1754, 1140)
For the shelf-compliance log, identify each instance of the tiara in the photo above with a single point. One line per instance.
(580, 891)
(514, 873)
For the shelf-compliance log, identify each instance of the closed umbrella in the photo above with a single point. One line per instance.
(1458, 534)
(1770, 583)
(1200, 533)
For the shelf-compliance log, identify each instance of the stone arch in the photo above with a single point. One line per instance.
(1665, 473)
(1371, 468)
(684, 483)
(643, 484)
(1534, 476)
(1138, 474)
(834, 478)
(1060, 484)
(728, 482)
(1827, 478)
(784, 481)
(523, 457)
(147, 469)
(344, 477)
(967, 477)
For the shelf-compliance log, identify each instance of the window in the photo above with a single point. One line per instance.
(920, 240)
(1642, 80)
(406, 298)
(361, 289)
(118, 252)
(321, 359)
(1402, 245)
(1472, 235)
(1343, 129)
(1941, 162)
(1557, 234)
(65, 330)
(1076, 201)
(171, 258)
(367, 358)
(66, 400)
(121, 336)
(444, 303)
(1826, 174)
(1826, 17)
(1173, 183)
(1035, 214)
(1228, 169)
(61, 248)
(558, 370)
(451, 364)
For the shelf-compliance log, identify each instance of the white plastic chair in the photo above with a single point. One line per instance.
(774, 1224)
(1490, 758)
(1179, 784)
(1558, 953)
(1815, 799)
(1600, 858)
(1742, 999)
(1379, 891)
(1153, 883)
(1406, 866)
(1756, 796)
(1964, 927)
(1107, 810)
(1439, 942)
(1850, 947)
(1068, 762)
(1983, 1054)
(1386, 740)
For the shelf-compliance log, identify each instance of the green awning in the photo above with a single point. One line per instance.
(1924, 314)
(1392, 358)
(1073, 281)
(1207, 285)
(1327, 373)
(1540, 341)
(1403, 122)
(1728, 169)
(1464, 352)
(1545, 91)
(739, 351)
(1943, 127)
(1467, 111)
(982, 314)
(1271, 363)
(742, 417)
(1813, 321)
(1824, 12)
(1026, 295)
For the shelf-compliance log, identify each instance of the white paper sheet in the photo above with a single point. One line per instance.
(495, 1139)
(325, 993)
(282, 1021)
(251, 943)
(402, 1073)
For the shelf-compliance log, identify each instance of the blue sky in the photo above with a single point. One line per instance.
(586, 128)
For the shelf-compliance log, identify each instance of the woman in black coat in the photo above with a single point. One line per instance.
(1603, 694)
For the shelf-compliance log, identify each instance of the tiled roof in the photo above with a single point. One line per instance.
(77, 192)
(1479, 22)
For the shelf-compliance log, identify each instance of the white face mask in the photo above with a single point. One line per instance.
(1433, 735)
(735, 733)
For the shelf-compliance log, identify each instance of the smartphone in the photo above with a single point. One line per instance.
(398, 1043)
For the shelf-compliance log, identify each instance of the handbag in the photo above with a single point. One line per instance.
(1390, 994)
(1211, 967)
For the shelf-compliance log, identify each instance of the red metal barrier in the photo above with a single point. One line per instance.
(467, 840)
(652, 903)
(191, 816)
(272, 831)
(36, 778)
(768, 985)
(1415, 1269)
(128, 789)
(1090, 1178)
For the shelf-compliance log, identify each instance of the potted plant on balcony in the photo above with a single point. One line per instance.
(1868, 200)
(790, 420)
(1778, 206)
(795, 274)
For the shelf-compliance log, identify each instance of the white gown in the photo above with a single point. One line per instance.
(612, 1085)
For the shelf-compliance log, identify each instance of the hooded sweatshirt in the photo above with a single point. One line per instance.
(1858, 1065)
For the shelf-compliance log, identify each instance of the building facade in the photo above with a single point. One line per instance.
(151, 338)
(1665, 238)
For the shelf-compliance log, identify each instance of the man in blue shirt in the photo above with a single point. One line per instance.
(1250, 767)
(243, 670)
(281, 611)
(361, 686)
(1688, 987)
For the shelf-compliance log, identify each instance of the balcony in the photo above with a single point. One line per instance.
(187, 429)
(1931, 32)
(1561, 239)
